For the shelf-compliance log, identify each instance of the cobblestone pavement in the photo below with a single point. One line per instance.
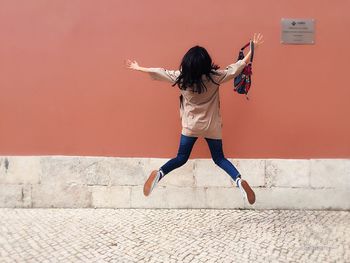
(173, 235)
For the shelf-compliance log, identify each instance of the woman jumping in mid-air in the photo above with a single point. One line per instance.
(199, 80)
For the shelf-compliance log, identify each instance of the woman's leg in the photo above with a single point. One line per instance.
(217, 153)
(185, 148)
(215, 146)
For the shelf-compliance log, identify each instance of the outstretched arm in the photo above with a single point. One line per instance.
(135, 66)
(236, 68)
(155, 73)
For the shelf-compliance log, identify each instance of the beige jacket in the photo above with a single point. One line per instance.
(200, 113)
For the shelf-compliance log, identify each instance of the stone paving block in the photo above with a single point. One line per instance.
(207, 173)
(93, 170)
(299, 198)
(19, 169)
(125, 171)
(253, 170)
(185, 197)
(64, 169)
(15, 195)
(330, 173)
(60, 195)
(111, 196)
(228, 197)
(173, 235)
(181, 176)
(288, 173)
(157, 198)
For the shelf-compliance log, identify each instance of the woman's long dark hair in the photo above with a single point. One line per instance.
(194, 64)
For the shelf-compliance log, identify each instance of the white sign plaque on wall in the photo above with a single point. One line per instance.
(297, 31)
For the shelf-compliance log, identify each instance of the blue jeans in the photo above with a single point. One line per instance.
(185, 148)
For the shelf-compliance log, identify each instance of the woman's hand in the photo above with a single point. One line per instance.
(257, 40)
(135, 66)
(132, 64)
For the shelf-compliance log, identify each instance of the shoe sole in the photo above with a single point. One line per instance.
(148, 184)
(249, 191)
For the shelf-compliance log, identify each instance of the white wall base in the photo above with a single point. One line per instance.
(113, 182)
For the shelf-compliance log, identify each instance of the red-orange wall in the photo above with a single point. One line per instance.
(64, 88)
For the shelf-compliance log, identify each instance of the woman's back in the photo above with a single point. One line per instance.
(200, 112)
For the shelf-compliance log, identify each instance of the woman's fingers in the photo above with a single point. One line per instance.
(257, 38)
(129, 63)
(257, 35)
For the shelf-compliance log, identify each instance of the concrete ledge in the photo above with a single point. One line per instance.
(113, 182)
